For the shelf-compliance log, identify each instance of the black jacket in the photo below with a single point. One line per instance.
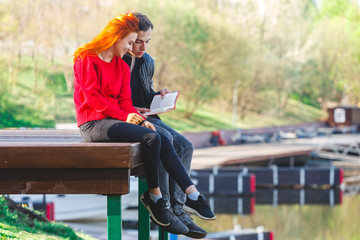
(146, 73)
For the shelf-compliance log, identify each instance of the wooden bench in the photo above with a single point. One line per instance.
(59, 162)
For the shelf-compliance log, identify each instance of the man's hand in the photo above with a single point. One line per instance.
(163, 92)
(148, 124)
(142, 111)
(134, 118)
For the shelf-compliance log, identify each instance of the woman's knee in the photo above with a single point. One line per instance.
(152, 138)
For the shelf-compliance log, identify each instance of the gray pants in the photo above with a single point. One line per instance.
(184, 148)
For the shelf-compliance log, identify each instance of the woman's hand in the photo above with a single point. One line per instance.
(134, 118)
(148, 124)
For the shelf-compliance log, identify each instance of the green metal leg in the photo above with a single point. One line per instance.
(144, 217)
(114, 217)
(163, 235)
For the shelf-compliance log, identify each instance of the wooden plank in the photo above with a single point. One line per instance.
(265, 157)
(14, 136)
(59, 162)
(138, 170)
(63, 149)
(232, 155)
(89, 155)
(64, 181)
(337, 157)
(39, 132)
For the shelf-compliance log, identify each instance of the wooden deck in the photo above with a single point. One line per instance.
(203, 157)
(245, 153)
(59, 162)
(237, 154)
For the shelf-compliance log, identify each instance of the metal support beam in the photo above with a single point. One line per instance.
(144, 217)
(163, 235)
(114, 227)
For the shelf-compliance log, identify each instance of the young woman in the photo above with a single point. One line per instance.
(105, 113)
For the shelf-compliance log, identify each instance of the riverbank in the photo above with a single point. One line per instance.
(19, 225)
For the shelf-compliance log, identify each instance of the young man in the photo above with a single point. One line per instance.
(142, 71)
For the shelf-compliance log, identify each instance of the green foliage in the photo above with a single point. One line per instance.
(271, 52)
(208, 117)
(336, 8)
(29, 100)
(55, 81)
(188, 42)
(16, 225)
(340, 20)
(20, 115)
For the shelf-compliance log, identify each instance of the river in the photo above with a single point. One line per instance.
(333, 216)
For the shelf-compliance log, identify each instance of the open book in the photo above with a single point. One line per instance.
(159, 105)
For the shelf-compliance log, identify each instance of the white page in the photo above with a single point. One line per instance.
(159, 105)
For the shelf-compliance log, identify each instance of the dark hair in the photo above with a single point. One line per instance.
(144, 22)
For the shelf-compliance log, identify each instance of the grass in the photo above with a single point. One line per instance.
(44, 102)
(10, 232)
(208, 118)
(17, 225)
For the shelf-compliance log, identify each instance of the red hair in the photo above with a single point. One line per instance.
(117, 28)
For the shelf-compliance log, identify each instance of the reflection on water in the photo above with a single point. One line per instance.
(294, 216)
(233, 204)
(302, 214)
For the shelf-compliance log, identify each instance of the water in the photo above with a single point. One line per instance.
(289, 221)
(290, 214)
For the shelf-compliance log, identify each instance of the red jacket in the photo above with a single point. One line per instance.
(101, 89)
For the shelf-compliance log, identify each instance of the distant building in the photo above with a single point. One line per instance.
(344, 116)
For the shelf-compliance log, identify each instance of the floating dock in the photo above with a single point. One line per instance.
(267, 152)
(246, 180)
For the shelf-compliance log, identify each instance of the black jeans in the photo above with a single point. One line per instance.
(155, 146)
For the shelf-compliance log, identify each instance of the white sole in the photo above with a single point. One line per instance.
(150, 212)
(193, 211)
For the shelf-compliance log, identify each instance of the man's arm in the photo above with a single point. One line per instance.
(142, 111)
(162, 92)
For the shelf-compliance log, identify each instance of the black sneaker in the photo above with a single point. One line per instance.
(159, 212)
(175, 226)
(194, 230)
(200, 207)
